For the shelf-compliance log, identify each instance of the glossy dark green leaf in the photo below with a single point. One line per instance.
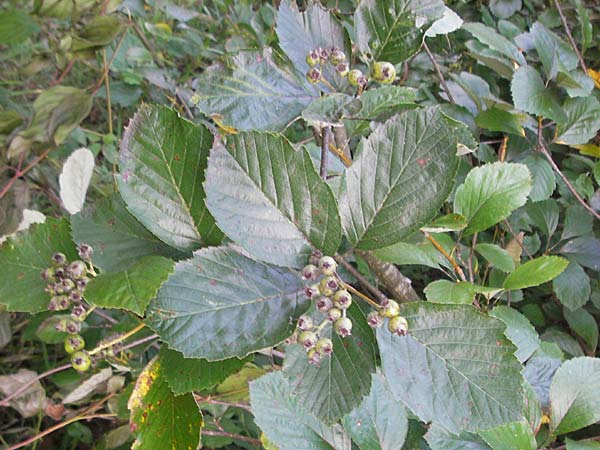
(531, 95)
(253, 93)
(399, 179)
(586, 444)
(286, 422)
(583, 250)
(24, 256)
(519, 330)
(578, 222)
(535, 272)
(162, 162)
(220, 304)
(572, 287)
(543, 179)
(131, 289)
(544, 215)
(186, 375)
(118, 239)
(340, 382)
(455, 367)
(575, 395)
(379, 422)
(270, 199)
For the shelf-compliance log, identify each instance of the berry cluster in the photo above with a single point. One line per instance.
(382, 71)
(66, 286)
(331, 296)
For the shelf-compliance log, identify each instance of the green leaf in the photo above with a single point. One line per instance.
(583, 17)
(449, 222)
(583, 121)
(490, 193)
(97, 33)
(503, 9)
(584, 251)
(379, 422)
(572, 287)
(519, 331)
(496, 256)
(582, 445)
(186, 375)
(544, 215)
(496, 41)
(565, 342)
(286, 423)
(440, 439)
(575, 395)
(340, 382)
(510, 436)
(543, 179)
(24, 256)
(535, 272)
(160, 420)
(408, 254)
(162, 163)
(16, 26)
(131, 289)
(118, 239)
(585, 325)
(445, 291)
(578, 222)
(399, 179)
(490, 58)
(449, 22)
(552, 51)
(531, 95)
(455, 367)
(270, 200)
(253, 93)
(329, 110)
(220, 304)
(496, 119)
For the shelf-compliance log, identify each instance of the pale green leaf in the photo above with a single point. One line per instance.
(496, 256)
(531, 95)
(440, 439)
(16, 26)
(496, 119)
(519, 330)
(510, 436)
(495, 40)
(585, 325)
(583, 121)
(572, 287)
(535, 272)
(445, 291)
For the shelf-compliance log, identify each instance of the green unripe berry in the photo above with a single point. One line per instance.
(343, 326)
(342, 69)
(74, 344)
(81, 361)
(384, 72)
(77, 269)
(312, 291)
(323, 303)
(72, 327)
(323, 55)
(310, 272)
(313, 58)
(327, 265)
(354, 76)
(334, 314)
(59, 259)
(308, 339)
(48, 274)
(313, 75)
(305, 323)
(398, 326)
(324, 346)
(86, 251)
(374, 319)
(342, 299)
(390, 308)
(78, 313)
(314, 357)
(337, 56)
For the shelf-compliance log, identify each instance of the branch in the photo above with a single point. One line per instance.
(19, 173)
(239, 437)
(324, 151)
(439, 73)
(5, 401)
(570, 36)
(362, 280)
(212, 401)
(446, 255)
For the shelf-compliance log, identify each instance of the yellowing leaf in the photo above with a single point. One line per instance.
(225, 129)
(588, 149)
(163, 26)
(594, 75)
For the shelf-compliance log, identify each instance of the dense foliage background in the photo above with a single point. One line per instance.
(208, 151)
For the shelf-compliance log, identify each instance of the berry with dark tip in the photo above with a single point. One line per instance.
(324, 346)
(374, 319)
(81, 361)
(72, 327)
(78, 313)
(398, 326)
(74, 344)
(82, 283)
(334, 314)
(313, 75)
(312, 291)
(342, 69)
(60, 272)
(327, 265)
(343, 326)
(313, 58)
(384, 72)
(53, 304)
(67, 285)
(314, 357)
(314, 257)
(63, 302)
(85, 252)
(329, 282)
(323, 303)
(59, 259)
(354, 76)
(48, 274)
(308, 339)
(61, 326)
(77, 269)
(323, 55)
(310, 272)
(390, 308)
(75, 296)
(337, 56)
(342, 299)
(305, 323)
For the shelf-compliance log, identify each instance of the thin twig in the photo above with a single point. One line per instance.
(107, 67)
(362, 280)
(570, 36)
(470, 260)
(64, 73)
(232, 436)
(212, 401)
(366, 298)
(516, 238)
(139, 341)
(439, 73)
(446, 255)
(117, 339)
(105, 316)
(147, 44)
(325, 151)
(5, 401)
(20, 173)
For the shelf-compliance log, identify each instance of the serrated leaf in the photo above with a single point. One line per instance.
(340, 382)
(539, 372)
(118, 239)
(495, 40)
(544, 215)
(75, 179)
(159, 420)
(531, 95)
(220, 304)
(449, 222)
(407, 254)
(449, 22)
(24, 256)
(510, 436)
(564, 341)
(583, 121)
(490, 193)
(440, 439)
(519, 330)
(270, 200)
(187, 375)
(399, 179)
(543, 179)
(445, 291)
(496, 256)
(455, 367)
(572, 287)
(585, 325)
(555, 54)
(16, 26)
(286, 423)
(329, 110)
(379, 422)
(162, 162)
(583, 250)
(495, 119)
(575, 395)
(133, 288)
(253, 93)
(535, 272)
(387, 29)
